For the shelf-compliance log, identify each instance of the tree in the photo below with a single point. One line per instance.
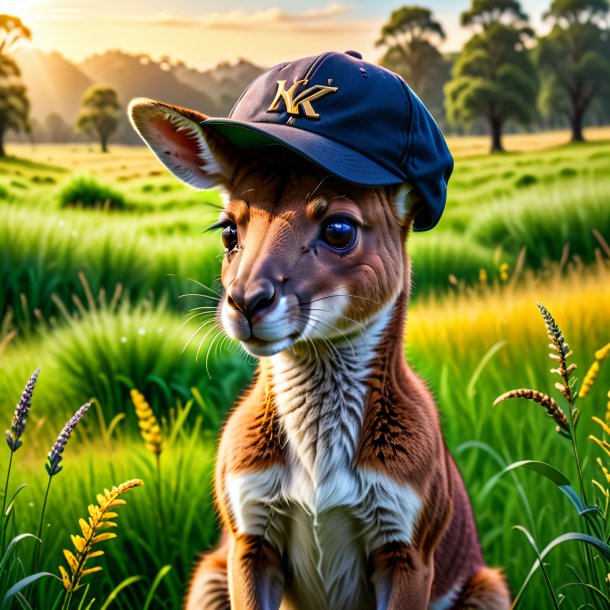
(409, 36)
(575, 59)
(494, 78)
(57, 129)
(14, 103)
(100, 113)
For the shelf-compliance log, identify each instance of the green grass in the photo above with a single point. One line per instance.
(450, 342)
(147, 539)
(60, 268)
(42, 254)
(545, 220)
(106, 351)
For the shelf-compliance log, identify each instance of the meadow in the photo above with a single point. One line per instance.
(100, 299)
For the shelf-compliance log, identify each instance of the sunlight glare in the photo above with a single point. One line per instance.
(24, 9)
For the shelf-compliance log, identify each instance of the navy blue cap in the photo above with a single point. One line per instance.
(357, 120)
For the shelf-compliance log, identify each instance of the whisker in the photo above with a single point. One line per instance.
(202, 326)
(207, 355)
(345, 337)
(195, 315)
(204, 286)
(201, 296)
(204, 307)
(203, 340)
(312, 193)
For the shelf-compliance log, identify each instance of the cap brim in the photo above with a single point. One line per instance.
(343, 162)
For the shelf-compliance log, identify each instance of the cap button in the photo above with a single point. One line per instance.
(354, 54)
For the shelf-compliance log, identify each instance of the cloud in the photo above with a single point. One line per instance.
(270, 18)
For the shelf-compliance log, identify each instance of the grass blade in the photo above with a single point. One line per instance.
(22, 584)
(122, 585)
(158, 578)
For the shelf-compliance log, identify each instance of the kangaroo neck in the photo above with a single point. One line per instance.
(320, 394)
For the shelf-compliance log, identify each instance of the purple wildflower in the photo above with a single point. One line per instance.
(55, 455)
(21, 414)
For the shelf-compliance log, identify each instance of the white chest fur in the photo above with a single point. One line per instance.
(320, 512)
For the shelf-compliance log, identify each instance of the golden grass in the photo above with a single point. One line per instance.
(128, 160)
(121, 161)
(467, 146)
(579, 300)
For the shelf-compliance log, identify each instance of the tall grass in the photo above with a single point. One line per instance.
(472, 346)
(105, 351)
(545, 220)
(457, 345)
(42, 254)
(145, 546)
(445, 260)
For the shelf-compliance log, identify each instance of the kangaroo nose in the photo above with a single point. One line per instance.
(257, 296)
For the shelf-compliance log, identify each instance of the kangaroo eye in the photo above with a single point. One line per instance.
(229, 237)
(339, 234)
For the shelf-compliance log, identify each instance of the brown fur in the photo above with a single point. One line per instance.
(277, 203)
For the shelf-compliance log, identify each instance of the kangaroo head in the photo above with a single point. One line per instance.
(308, 257)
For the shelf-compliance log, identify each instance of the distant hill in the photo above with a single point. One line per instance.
(56, 85)
(138, 76)
(224, 83)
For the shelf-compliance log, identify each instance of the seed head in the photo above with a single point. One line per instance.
(558, 343)
(604, 470)
(504, 272)
(21, 413)
(149, 428)
(55, 455)
(603, 353)
(561, 353)
(100, 517)
(552, 408)
(589, 379)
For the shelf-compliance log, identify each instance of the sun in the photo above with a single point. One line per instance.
(24, 9)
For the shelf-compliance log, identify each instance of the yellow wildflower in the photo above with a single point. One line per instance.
(604, 470)
(149, 428)
(99, 518)
(602, 353)
(589, 379)
(504, 272)
(483, 276)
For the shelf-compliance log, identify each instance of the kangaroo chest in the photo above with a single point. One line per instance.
(324, 514)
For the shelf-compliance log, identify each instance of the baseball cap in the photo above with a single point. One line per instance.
(357, 120)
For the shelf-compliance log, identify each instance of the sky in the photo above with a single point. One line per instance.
(203, 33)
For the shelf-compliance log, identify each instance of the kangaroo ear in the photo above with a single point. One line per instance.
(176, 137)
(407, 202)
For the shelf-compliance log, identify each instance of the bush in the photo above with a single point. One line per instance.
(87, 192)
(568, 172)
(526, 180)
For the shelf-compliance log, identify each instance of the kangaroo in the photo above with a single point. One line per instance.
(334, 486)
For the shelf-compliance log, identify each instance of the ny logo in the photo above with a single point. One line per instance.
(303, 100)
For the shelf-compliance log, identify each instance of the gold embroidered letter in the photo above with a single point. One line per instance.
(303, 100)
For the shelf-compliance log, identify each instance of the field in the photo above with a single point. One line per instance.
(96, 299)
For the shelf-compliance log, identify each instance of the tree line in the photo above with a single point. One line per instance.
(100, 112)
(506, 75)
